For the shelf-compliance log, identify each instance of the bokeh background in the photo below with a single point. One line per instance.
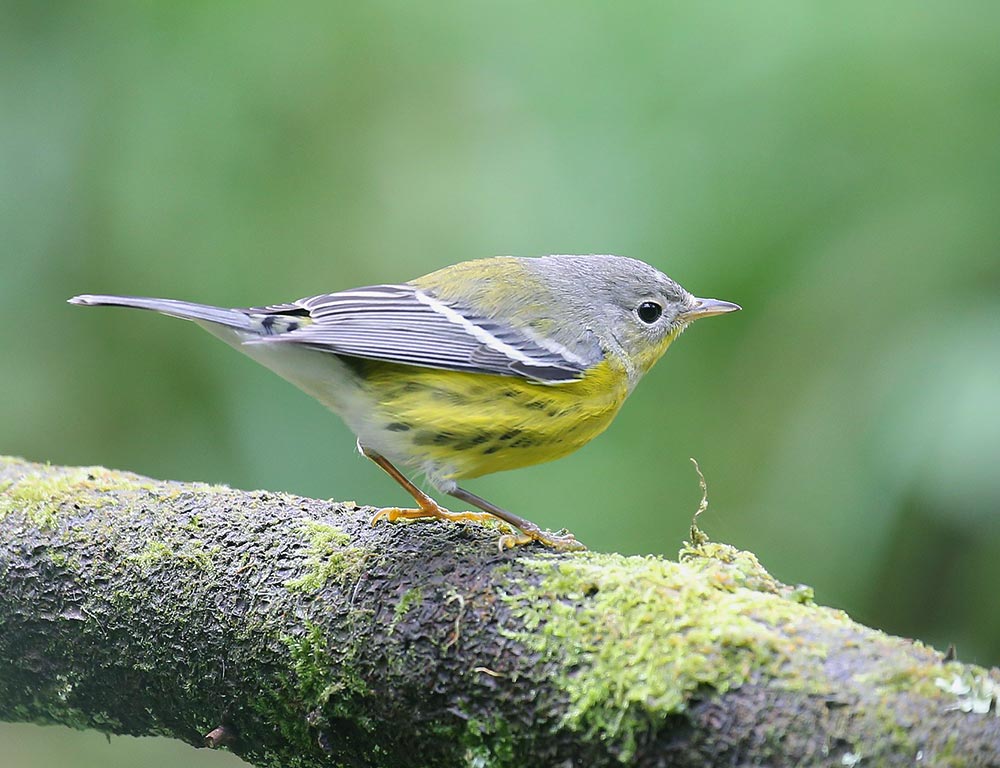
(834, 169)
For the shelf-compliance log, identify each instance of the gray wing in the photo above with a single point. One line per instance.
(403, 324)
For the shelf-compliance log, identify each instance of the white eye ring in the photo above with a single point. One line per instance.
(649, 312)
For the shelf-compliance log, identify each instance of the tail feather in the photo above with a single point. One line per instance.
(231, 318)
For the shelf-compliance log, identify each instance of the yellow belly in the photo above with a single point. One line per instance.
(458, 425)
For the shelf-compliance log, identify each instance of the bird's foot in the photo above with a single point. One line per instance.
(564, 541)
(435, 512)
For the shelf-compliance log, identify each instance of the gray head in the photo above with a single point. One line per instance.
(628, 305)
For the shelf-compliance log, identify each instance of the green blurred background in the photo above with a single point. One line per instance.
(836, 170)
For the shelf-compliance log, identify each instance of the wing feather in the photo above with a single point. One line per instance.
(403, 324)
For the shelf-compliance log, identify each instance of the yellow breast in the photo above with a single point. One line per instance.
(459, 425)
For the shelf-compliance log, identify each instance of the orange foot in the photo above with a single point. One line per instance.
(565, 542)
(392, 514)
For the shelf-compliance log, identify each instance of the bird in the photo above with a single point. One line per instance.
(481, 366)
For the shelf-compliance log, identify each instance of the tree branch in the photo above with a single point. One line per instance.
(294, 633)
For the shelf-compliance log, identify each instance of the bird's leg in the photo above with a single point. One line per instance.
(565, 542)
(427, 506)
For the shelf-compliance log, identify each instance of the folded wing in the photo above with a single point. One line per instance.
(403, 324)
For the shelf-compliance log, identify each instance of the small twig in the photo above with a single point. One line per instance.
(458, 618)
(698, 537)
(488, 671)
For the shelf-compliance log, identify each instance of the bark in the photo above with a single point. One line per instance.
(292, 632)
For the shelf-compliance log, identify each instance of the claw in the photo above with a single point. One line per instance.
(559, 542)
(511, 540)
(564, 541)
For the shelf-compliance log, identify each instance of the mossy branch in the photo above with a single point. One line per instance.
(291, 632)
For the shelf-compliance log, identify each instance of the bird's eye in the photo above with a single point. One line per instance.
(649, 312)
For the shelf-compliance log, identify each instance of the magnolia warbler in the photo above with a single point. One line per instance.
(478, 367)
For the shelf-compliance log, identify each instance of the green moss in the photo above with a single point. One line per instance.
(41, 496)
(319, 684)
(51, 705)
(274, 708)
(173, 492)
(967, 688)
(634, 638)
(61, 559)
(318, 678)
(329, 556)
(153, 553)
(192, 554)
(412, 598)
(743, 569)
(489, 745)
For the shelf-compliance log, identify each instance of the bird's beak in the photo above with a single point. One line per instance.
(707, 308)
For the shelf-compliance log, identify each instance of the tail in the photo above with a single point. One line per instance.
(231, 318)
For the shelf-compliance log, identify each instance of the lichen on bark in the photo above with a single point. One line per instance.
(311, 638)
